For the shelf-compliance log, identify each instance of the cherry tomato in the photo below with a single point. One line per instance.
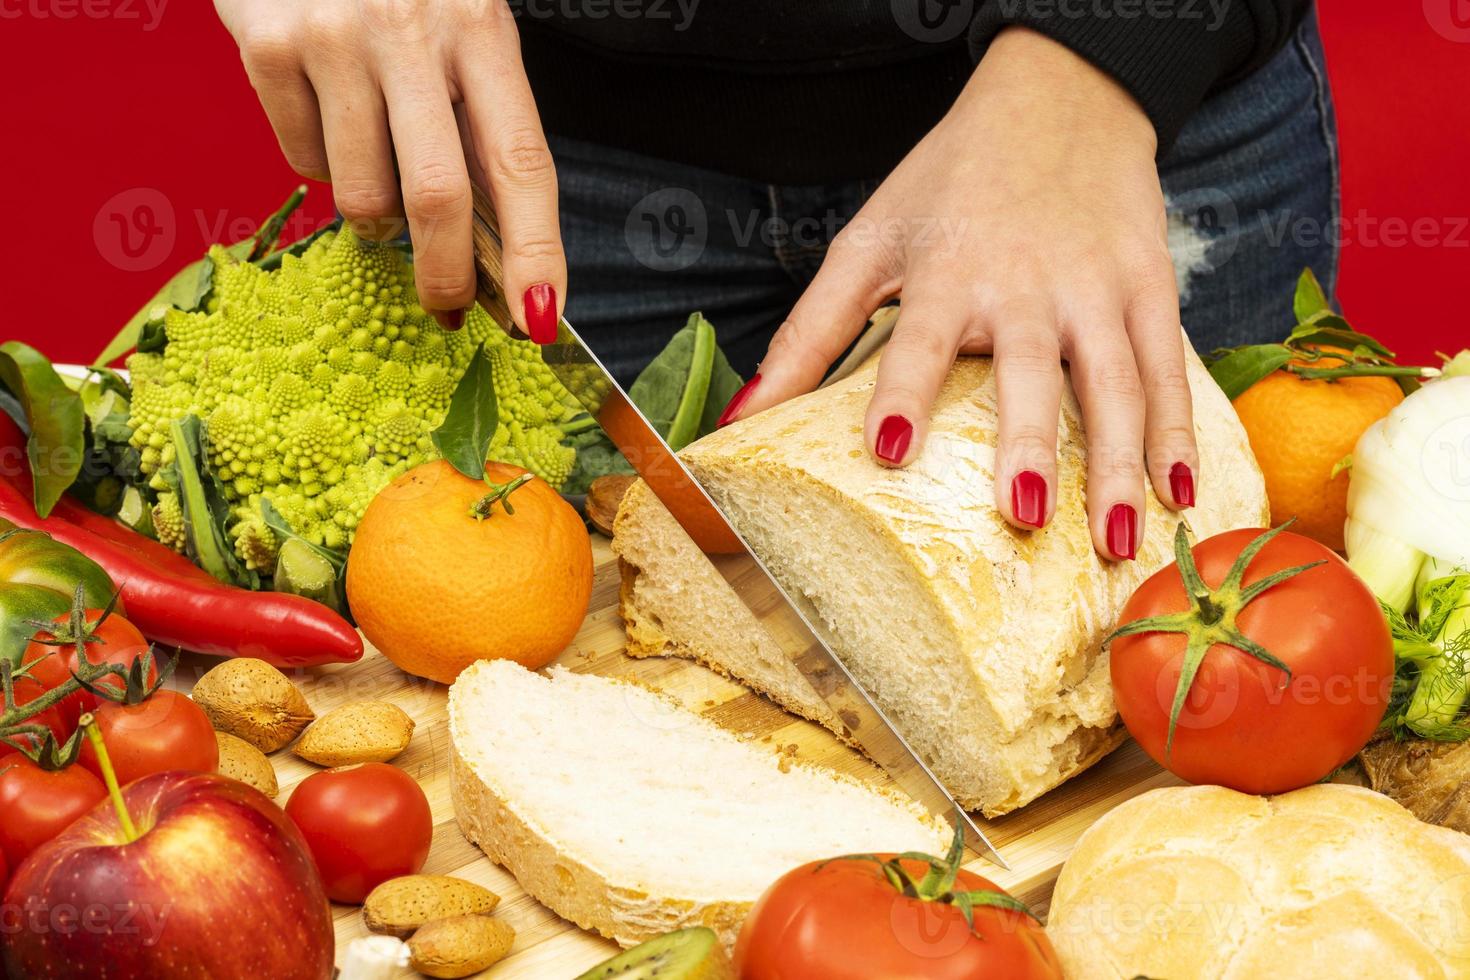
(1245, 724)
(166, 731)
(364, 824)
(843, 920)
(4, 874)
(117, 642)
(37, 804)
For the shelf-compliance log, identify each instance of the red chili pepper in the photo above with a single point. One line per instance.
(191, 609)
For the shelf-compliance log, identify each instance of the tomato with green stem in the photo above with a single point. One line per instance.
(54, 655)
(40, 800)
(1257, 661)
(162, 732)
(901, 917)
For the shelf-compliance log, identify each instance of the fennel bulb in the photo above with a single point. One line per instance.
(1408, 537)
(1409, 496)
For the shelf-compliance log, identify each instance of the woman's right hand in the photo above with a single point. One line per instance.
(400, 105)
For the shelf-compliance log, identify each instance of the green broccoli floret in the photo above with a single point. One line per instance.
(321, 381)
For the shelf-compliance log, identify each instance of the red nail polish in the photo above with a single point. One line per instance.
(1028, 498)
(540, 302)
(737, 402)
(1122, 530)
(893, 439)
(1181, 485)
(453, 319)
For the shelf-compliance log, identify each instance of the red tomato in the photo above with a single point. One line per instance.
(364, 825)
(842, 920)
(37, 804)
(4, 873)
(27, 689)
(117, 642)
(166, 731)
(1245, 724)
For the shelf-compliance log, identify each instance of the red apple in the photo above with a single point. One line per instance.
(218, 884)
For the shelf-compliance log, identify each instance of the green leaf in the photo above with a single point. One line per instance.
(1244, 366)
(206, 512)
(684, 389)
(1331, 330)
(1310, 297)
(186, 291)
(54, 417)
(463, 438)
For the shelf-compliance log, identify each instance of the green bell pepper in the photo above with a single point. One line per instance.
(38, 578)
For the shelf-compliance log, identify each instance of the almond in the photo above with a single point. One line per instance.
(240, 760)
(604, 497)
(400, 905)
(250, 699)
(363, 731)
(459, 946)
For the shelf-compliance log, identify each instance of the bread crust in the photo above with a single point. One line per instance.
(1017, 620)
(1207, 883)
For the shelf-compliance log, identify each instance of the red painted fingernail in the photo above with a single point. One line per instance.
(1181, 485)
(453, 319)
(540, 302)
(1122, 529)
(1028, 498)
(893, 439)
(737, 402)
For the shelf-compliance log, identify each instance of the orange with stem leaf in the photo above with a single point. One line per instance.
(446, 570)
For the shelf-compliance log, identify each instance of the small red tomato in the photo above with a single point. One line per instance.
(4, 873)
(844, 920)
(37, 804)
(364, 824)
(164, 732)
(1242, 720)
(112, 641)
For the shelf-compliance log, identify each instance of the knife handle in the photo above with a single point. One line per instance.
(489, 268)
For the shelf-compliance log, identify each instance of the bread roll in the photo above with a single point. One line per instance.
(980, 641)
(1204, 883)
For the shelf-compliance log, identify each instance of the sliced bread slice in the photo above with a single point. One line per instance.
(631, 815)
(983, 644)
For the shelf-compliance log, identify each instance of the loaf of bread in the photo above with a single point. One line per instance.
(632, 816)
(981, 642)
(1206, 883)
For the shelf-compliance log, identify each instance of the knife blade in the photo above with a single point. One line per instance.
(789, 617)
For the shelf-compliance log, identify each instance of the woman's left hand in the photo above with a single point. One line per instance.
(1029, 223)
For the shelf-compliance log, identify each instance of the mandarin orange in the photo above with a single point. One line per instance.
(1300, 429)
(436, 588)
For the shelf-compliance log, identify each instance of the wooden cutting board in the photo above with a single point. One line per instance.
(1034, 841)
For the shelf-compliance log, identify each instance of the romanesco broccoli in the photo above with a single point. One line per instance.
(320, 382)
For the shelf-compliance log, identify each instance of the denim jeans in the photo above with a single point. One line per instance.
(1250, 187)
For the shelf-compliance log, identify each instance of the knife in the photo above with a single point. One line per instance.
(791, 620)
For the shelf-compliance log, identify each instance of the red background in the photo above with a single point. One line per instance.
(106, 120)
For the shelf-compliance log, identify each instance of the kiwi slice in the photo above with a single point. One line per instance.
(688, 954)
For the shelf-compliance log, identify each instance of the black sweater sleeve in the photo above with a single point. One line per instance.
(1169, 54)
